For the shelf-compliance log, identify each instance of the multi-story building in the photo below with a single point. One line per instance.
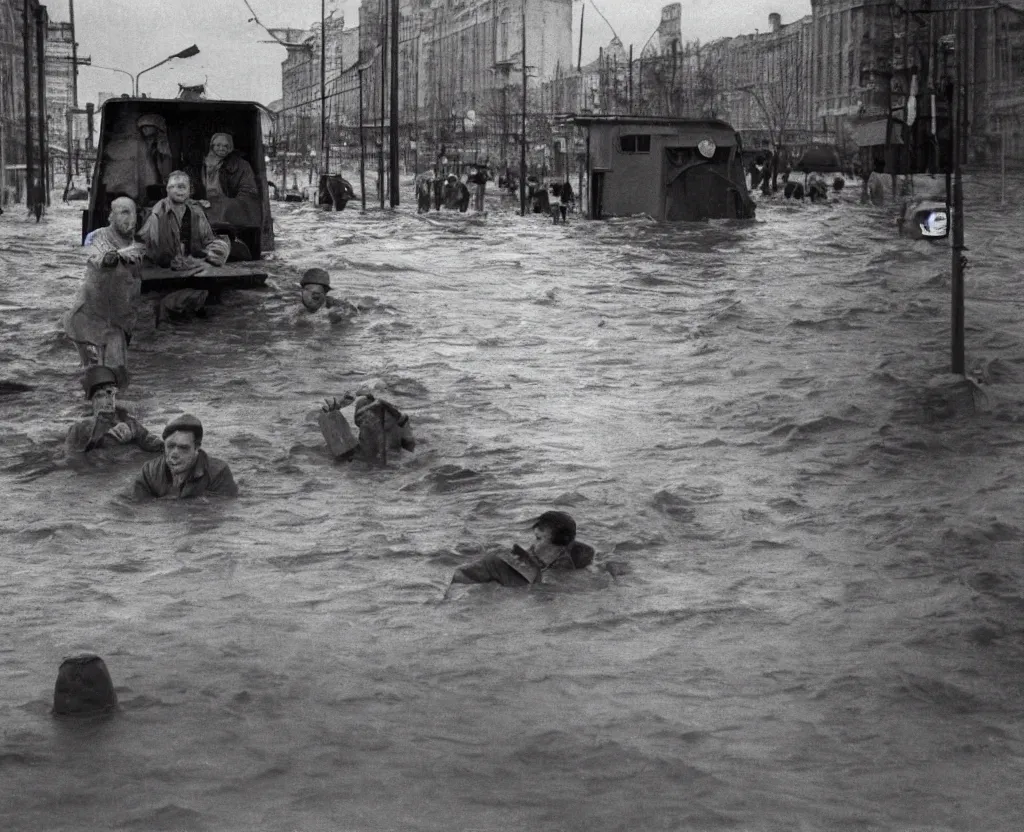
(22, 144)
(60, 97)
(459, 68)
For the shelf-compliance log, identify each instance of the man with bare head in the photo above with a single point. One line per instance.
(102, 318)
(177, 232)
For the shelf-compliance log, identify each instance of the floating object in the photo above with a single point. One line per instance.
(341, 442)
(83, 687)
(11, 388)
(523, 562)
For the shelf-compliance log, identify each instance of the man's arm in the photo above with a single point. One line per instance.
(149, 442)
(215, 249)
(141, 488)
(223, 484)
(77, 440)
(99, 247)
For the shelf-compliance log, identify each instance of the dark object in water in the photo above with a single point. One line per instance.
(335, 191)
(12, 388)
(83, 687)
(838, 183)
(341, 442)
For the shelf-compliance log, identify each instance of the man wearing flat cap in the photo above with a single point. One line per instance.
(315, 284)
(110, 425)
(184, 470)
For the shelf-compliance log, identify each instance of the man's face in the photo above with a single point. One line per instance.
(314, 296)
(542, 534)
(148, 131)
(178, 190)
(180, 451)
(122, 218)
(103, 399)
(220, 146)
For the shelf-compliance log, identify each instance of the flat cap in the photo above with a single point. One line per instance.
(186, 422)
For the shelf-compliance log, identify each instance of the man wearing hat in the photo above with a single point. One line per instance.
(315, 284)
(110, 425)
(555, 547)
(184, 470)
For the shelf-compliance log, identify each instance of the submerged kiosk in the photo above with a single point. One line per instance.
(669, 168)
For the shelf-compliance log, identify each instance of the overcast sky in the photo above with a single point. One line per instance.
(134, 34)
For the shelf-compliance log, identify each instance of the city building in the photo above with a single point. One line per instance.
(22, 144)
(61, 95)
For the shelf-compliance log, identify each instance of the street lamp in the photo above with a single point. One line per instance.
(184, 53)
(115, 69)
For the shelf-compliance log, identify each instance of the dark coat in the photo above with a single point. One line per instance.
(235, 176)
(208, 476)
(92, 433)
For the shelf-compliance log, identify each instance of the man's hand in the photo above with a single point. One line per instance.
(121, 432)
(130, 255)
(211, 257)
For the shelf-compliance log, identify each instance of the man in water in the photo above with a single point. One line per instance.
(555, 547)
(103, 316)
(315, 284)
(110, 425)
(177, 233)
(184, 470)
(383, 429)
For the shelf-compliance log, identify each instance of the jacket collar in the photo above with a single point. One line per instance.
(199, 468)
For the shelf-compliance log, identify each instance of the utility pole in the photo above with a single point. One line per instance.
(393, 136)
(44, 162)
(522, 138)
(325, 147)
(630, 93)
(959, 261)
(362, 141)
(72, 142)
(383, 74)
(27, 38)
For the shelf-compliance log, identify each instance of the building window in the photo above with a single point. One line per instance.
(635, 144)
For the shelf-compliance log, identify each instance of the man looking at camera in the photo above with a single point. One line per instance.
(184, 470)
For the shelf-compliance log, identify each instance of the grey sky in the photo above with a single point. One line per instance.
(134, 34)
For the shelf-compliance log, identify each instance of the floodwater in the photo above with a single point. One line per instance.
(806, 610)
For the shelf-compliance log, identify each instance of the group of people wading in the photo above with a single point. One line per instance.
(176, 233)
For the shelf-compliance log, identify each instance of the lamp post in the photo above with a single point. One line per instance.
(115, 69)
(184, 53)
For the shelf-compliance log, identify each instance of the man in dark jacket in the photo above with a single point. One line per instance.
(177, 228)
(110, 425)
(555, 547)
(184, 470)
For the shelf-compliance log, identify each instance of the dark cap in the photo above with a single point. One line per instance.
(317, 276)
(563, 527)
(186, 422)
(95, 377)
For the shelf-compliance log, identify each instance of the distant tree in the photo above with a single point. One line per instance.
(778, 93)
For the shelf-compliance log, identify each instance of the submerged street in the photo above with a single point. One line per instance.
(805, 612)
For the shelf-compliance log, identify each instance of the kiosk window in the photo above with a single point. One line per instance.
(635, 144)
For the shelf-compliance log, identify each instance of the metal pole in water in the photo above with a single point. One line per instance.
(362, 142)
(522, 143)
(957, 274)
(393, 133)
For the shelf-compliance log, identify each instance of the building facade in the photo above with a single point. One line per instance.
(23, 147)
(850, 72)
(60, 98)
